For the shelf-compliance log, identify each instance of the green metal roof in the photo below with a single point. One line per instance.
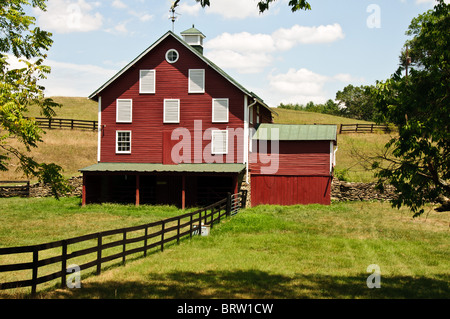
(193, 31)
(290, 132)
(155, 168)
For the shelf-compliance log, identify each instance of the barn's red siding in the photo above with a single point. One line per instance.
(290, 190)
(149, 133)
(308, 158)
(303, 175)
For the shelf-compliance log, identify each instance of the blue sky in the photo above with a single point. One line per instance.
(281, 56)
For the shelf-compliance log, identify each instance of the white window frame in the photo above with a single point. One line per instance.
(164, 114)
(214, 120)
(117, 143)
(214, 132)
(190, 89)
(167, 55)
(118, 112)
(141, 91)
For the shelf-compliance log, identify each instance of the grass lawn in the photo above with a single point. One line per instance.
(264, 252)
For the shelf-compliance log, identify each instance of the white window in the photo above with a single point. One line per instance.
(147, 81)
(197, 81)
(123, 142)
(220, 110)
(171, 111)
(172, 56)
(124, 110)
(219, 142)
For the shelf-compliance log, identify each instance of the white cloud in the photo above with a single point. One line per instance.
(302, 86)
(193, 9)
(65, 16)
(253, 51)
(234, 9)
(69, 79)
(119, 4)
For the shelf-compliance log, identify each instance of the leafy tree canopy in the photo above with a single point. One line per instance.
(264, 5)
(19, 89)
(419, 104)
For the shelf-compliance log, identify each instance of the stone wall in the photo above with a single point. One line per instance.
(42, 190)
(350, 191)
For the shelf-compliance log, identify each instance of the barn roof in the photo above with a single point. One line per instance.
(94, 96)
(155, 168)
(292, 132)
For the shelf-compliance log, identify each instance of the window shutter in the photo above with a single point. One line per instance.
(219, 142)
(197, 81)
(171, 111)
(147, 81)
(124, 111)
(220, 111)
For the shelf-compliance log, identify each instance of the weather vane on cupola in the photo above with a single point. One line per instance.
(173, 16)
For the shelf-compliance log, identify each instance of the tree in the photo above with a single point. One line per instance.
(419, 104)
(357, 102)
(264, 5)
(19, 89)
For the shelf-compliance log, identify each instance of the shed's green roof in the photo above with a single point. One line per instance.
(291, 132)
(154, 168)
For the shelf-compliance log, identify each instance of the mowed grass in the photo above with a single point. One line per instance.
(264, 252)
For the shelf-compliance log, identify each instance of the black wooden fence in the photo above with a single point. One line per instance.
(144, 238)
(364, 128)
(57, 123)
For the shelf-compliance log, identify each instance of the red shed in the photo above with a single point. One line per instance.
(292, 164)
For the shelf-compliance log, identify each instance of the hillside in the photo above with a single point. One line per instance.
(78, 149)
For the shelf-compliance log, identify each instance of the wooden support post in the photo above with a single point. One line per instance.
(83, 196)
(235, 184)
(183, 192)
(137, 190)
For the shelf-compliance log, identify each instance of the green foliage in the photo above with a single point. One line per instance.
(357, 102)
(419, 104)
(19, 89)
(329, 107)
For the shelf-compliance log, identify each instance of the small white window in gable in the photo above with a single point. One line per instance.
(124, 110)
(219, 142)
(171, 111)
(147, 81)
(123, 142)
(172, 56)
(197, 81)
(220, 110)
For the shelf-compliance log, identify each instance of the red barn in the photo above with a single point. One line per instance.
(174, 128)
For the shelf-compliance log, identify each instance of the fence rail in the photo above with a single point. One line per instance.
(148, 236)
(57, 123)
(364, 128)
(15, 190)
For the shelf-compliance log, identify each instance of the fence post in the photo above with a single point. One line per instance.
(35, 271)
(99, 253)
(124, 249)
(162, 235)
(190, 227)
(64, 264)
(145, 242)
(228, 209)
(178, 230)
(28, 188)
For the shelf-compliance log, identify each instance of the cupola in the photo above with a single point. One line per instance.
(194, 38)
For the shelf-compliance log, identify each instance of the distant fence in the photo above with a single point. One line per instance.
(57, 123)
(14, 188)
(364, 128)
(144, 237)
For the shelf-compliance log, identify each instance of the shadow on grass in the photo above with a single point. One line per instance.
(255, 284)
